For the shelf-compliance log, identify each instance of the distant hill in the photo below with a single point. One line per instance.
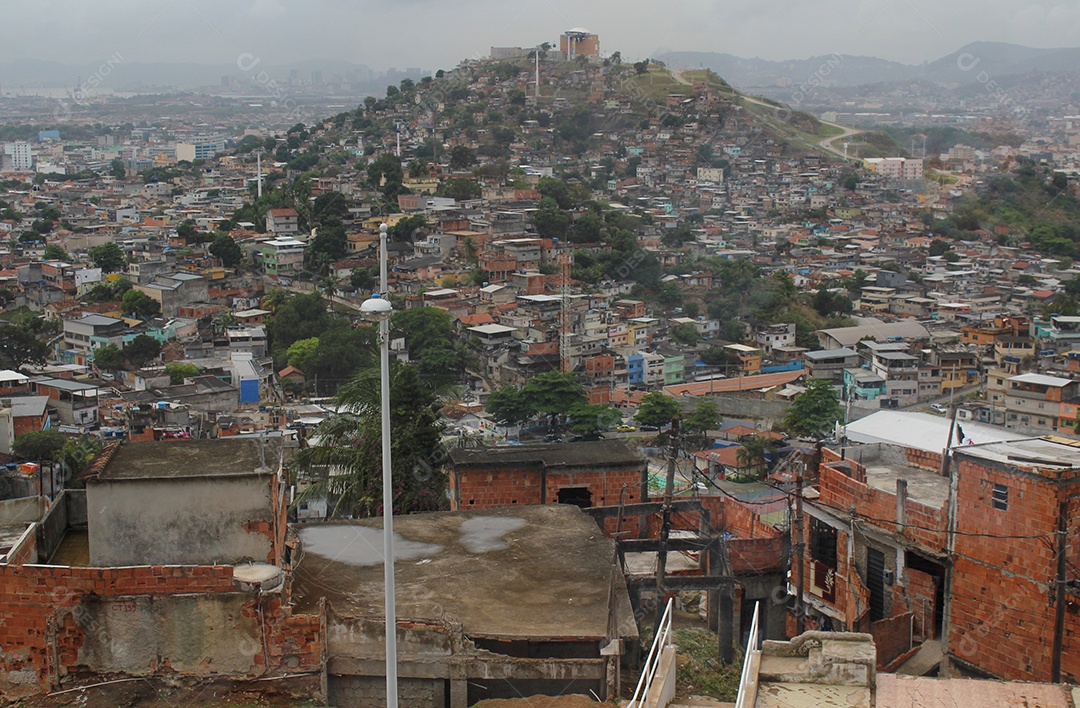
(999, 59)
(837, 69)
(964, 66)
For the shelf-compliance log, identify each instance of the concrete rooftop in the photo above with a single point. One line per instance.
(190, 458)
(532, 572)
(923, 486)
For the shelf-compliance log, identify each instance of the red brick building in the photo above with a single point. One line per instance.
(599, 473)
(878, 555)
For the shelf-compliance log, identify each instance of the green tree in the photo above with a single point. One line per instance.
(462, 157)
(938, 247)
(38, 444)
(139, 304)
(385, 173)
(142, 350)
(405, 230)
(226, 248)
(705, 417)
(301, 352)
(815, 411)
(55, 253)
(180, 370)
(108, 357)
(108, 257)
(186, 230)
(117, 169)
(295, 317)
(591, 420)
(342, 351)
(433, 347)
(509, 406)
(330, 244)
(554, 393)
(77, 453)
(686, 333)
(657, 409)
(460, 189)
(752, 455)
(350, 444)
(20, 346)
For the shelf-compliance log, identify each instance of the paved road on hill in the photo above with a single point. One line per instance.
(824, 144)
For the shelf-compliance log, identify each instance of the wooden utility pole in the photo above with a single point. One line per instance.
(800, 545)
(665, 526)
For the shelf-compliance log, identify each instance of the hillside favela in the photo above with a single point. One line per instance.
(739, 372)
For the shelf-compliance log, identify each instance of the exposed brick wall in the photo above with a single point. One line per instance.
(842, 493)
(919, 594)
(40, 639)
(512, 487)
(1004, 627)
(923, 460)
(1002, 617)
(892, 638)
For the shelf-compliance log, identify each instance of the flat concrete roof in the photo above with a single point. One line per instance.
(923, 486)
(531, 572)
(608, 453)
(222, 457)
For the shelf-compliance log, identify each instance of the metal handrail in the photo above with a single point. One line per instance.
(652, 662)
(748, 697)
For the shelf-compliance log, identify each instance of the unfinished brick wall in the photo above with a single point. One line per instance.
(918, 594)
(841, 493)
(892, 638)
(521, 487)
(45, 623)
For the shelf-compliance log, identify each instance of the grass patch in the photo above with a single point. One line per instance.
(700, 672)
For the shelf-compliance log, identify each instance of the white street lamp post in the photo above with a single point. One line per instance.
(379, 309)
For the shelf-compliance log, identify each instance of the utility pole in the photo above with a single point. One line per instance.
(665, 527)
(950, 537)
(800, 545)
(1059, 593)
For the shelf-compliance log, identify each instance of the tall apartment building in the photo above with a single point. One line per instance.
(899, 168)
(18, 157)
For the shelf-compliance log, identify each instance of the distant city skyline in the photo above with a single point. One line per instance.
(437, 34)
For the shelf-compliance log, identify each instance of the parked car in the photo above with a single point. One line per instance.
(938, 408)
(626, 428)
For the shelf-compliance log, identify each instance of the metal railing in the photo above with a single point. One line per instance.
(652, 663)
(748, 680)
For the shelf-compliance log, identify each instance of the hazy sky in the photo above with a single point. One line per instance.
(438, 33)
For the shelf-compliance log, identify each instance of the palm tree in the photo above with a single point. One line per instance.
(752, 455)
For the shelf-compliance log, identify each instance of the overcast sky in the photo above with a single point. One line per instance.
(435, 34)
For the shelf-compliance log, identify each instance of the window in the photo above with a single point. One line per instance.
(1000, 497)
(823, 543)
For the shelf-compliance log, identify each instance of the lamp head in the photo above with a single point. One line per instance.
(383, 229)
(376, 308)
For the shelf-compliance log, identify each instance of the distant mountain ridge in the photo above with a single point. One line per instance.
(977, 62)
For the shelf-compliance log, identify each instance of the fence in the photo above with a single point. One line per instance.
(748, 681)
(650, 671)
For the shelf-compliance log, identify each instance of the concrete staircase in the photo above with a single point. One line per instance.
(924, 661)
